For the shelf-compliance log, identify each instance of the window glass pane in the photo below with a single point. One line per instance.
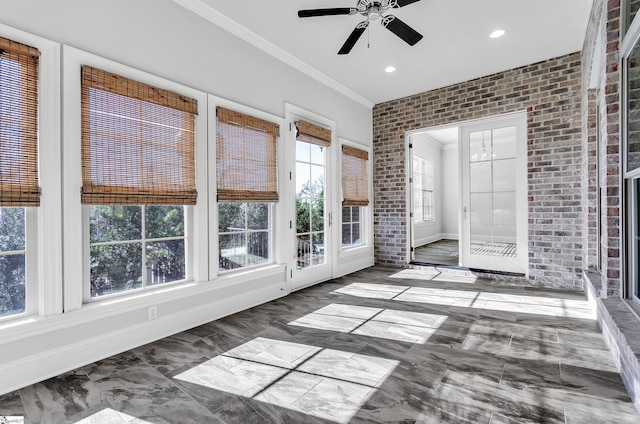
(12, 261)
(633, 109)
(351, 226)
(116, 268)
(11, 229)
(12, 284)
(164, 221)
(232, 251)
(634, 260)
(258, 216)
(355, 213)
(165, 262)
(258, 248)
(115, 223)
(346, 234)
(632, 10)
(247, 242)
(231, 217)
(356, 233)
(346, 214)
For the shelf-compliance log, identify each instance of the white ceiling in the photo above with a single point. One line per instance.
(455, 48)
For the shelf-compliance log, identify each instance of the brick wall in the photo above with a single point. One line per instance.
(550, 92)
(602, 66)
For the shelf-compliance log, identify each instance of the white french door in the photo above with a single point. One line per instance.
(312, 239)
(493, 163)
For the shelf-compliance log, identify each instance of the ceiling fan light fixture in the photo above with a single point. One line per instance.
(497, 33)
(390, 69)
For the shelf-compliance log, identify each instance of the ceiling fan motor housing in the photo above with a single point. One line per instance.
(374, 9)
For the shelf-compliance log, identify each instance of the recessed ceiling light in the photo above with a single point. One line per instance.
(390, 69)
(497, 33)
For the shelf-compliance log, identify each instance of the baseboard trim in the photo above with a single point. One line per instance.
(48, 364)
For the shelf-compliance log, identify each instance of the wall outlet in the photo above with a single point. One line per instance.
(152, 312)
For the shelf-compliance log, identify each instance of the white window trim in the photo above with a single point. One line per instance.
(44, 232)
(366, 212)
(76, 235)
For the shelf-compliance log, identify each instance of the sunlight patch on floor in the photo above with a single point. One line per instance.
(324, 383)
(403, 326)
(502, 302)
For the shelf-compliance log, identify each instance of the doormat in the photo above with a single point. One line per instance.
(492, 249)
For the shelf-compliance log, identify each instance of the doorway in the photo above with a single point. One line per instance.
(312, 193)
(476, 186)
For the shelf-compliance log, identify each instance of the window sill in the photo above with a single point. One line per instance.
(620, 325)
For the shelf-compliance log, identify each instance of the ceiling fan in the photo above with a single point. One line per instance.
(372, 10)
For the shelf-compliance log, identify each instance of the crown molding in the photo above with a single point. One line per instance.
(212, 15)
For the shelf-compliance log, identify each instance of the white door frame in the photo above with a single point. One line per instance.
(299, 279)
(521, 184)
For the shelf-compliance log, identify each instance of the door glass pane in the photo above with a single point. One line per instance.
(479, 146)
(504, 175)
(480, 216)
(480, 177)
(504, 143)
(310, 216)
(504, 217)
(633, 109)
(492, 192)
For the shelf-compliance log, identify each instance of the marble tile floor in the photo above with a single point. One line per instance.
(377, 346)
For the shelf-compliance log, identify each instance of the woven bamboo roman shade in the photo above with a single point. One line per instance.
(354, 177)
(246, 159)
(138, 142)
(314, 134)
(19, 183)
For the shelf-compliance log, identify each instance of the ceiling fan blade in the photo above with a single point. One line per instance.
(353, 37)
(311, 13)
(402, 30)
(403, 3)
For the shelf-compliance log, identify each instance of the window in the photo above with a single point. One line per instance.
(138, 174)
(351, 226)
(354, 194)
(123, 238)
(423, 200)
(631, 150)
(19, 182)
(247, 188)
(244, 234)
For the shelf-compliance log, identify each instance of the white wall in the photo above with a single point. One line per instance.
(161, 38)
(451, 186)
(429, 150)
